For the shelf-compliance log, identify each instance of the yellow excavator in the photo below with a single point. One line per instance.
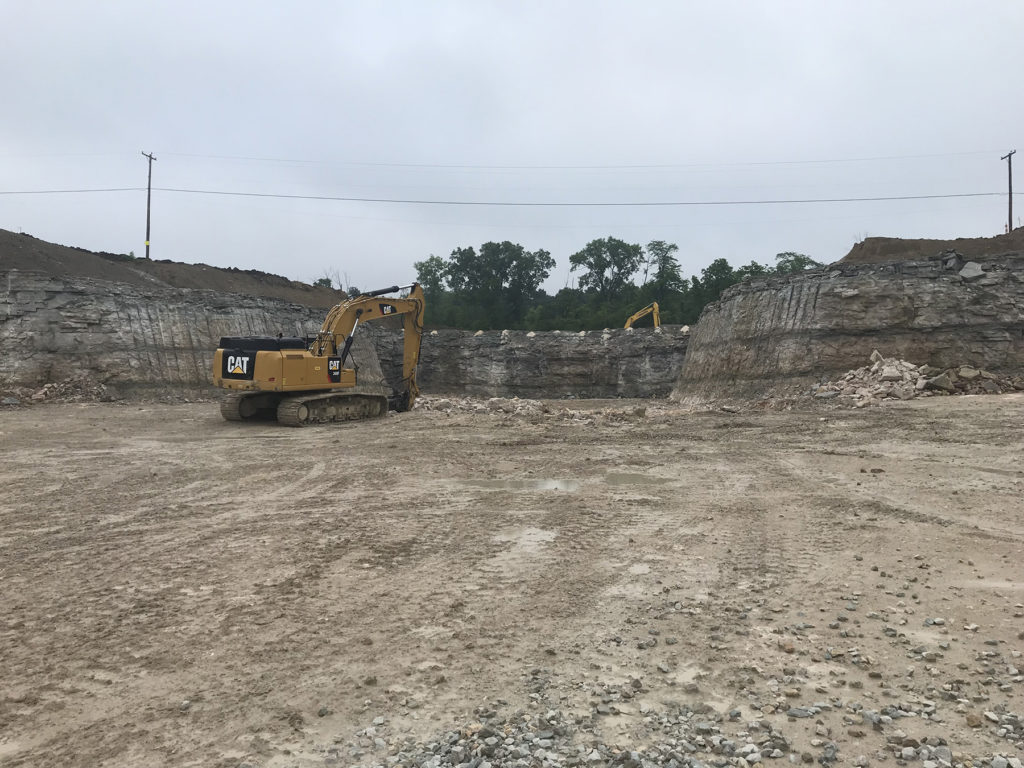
(305, 381)
(649, 309)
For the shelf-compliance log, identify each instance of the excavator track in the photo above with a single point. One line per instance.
(249, 406)
(327, 407)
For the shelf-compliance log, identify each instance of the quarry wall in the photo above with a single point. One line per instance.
(133, 339)
(638, 362)
(139, 340)
(770, 336)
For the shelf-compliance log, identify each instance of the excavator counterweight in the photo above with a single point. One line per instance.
(303, 381)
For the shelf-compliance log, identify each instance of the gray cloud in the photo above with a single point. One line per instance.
(504, 101)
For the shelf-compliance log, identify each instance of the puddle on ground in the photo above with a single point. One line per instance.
(612, 478)
(526, 539)
(524, 544)
(632, 478)
(525, 485)
(994, 584)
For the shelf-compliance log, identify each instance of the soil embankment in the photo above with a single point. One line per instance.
(874, 250)
(29, 254)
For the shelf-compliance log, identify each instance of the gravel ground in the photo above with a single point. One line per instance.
(514, 583)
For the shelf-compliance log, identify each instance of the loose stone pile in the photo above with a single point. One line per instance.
(892, 379)
(514, 406)
(83, 389)
(680, 737)
(70, 391)
(554, 738)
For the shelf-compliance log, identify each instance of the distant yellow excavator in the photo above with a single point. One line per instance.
(649, 309)
(303, 381)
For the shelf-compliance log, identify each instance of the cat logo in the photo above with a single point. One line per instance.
(387, 309)
(238, 365)
(334, 370)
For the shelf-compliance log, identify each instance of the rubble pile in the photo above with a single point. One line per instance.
(507, 405)
(892, 379)
(75, 390)
(679, 737)
(514, 406)
(84, 389)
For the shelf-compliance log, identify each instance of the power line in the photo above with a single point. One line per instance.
(501, 203)
(634, 166)
(70, 191)
(9, 156)
(522, 204)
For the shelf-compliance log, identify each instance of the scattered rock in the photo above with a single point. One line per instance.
(942, 381)
(901, 380)
(971, 271)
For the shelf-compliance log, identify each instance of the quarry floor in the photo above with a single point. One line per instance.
(177, 590)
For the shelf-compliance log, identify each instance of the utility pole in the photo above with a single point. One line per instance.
(149, 192)
(1008, 157)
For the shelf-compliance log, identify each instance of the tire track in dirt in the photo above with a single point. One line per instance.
(265, 576)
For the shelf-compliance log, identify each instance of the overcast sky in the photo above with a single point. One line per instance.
(481, 101)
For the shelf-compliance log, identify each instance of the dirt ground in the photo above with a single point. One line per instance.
(182, 591)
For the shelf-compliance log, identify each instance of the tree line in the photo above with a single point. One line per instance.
(498, 285)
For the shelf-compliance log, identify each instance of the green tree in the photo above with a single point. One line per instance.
(323, 282)
(664, 266)
(525, 273)
(714, 278)
(431, 273)
(753, 269)
(489, 288)
(790, 262)
(497, 267)
(609, 264)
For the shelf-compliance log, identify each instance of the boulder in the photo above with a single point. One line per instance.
(971, 271)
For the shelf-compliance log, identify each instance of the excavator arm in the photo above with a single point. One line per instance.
(640, 313)
(339, 327)
(305, 381)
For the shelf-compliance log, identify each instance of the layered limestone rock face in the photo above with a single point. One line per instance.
(638, 362)
(772, 336)
(134, 339)
(138, 340)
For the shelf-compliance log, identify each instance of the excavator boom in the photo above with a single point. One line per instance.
(651, 308)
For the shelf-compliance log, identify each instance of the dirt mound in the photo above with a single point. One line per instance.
(873, 250)
(25, 252)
